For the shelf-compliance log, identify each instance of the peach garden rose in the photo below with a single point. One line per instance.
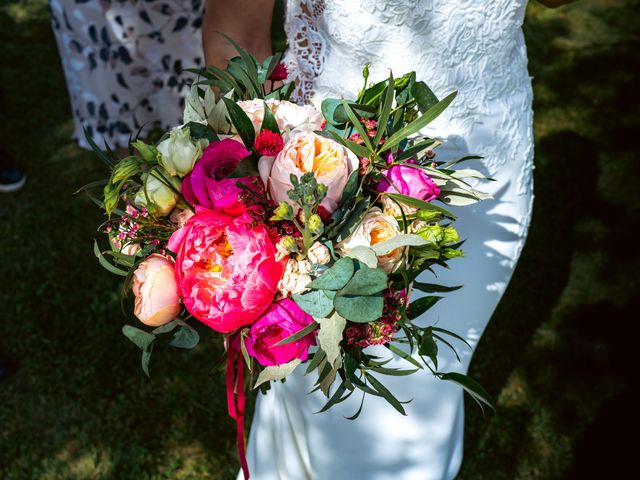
(330, 162)
(155, 288)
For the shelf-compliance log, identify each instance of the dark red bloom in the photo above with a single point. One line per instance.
(268, 143)
(279, 73)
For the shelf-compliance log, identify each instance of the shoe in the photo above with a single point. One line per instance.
(7, 367)
(11, 179)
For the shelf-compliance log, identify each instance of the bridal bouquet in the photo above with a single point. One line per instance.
(297, 233)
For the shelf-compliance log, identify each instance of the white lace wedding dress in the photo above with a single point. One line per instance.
(475, 47)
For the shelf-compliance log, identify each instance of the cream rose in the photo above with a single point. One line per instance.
(376, 227)
(157, 300)
(156, 195)
(330, 162)
(295, 278)
(319, 254)
(290, 116)
(178, 154)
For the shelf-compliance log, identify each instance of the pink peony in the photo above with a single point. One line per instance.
(411, 181)
(227, 270)
(157, 300)
(207, 185)
(281, 320)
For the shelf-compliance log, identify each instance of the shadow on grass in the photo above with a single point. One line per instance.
(558, 348)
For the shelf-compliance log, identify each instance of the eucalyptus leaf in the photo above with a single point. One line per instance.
(145, 359)
(166, 328)
(140, 338)
(399, 241)
(336, 276)
(276, 372)
(316, 303)
(185, 336)
(365, 281)
(365, 255)
(359, 309)
(330, 336)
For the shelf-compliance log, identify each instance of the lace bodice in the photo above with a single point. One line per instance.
(473, 46)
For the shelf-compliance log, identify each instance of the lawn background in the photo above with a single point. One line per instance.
(557, 354)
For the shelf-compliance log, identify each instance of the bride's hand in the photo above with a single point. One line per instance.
(248, 22)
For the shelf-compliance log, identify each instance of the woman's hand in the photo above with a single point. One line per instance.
(248, 22)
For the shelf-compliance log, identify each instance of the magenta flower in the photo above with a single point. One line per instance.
(281, 320)
(407, 180)
(227, 270)
(207, 186)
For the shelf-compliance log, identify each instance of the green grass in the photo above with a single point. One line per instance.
(556, 354)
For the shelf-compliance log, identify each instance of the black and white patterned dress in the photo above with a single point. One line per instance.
(124, 61)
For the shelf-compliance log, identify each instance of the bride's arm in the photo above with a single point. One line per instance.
(555, 3)
(248, 22)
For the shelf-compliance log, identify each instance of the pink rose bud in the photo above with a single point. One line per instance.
(411, 181)
(281, 320)
(208, 186)
(156, 290)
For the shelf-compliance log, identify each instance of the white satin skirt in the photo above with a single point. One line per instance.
(289, 441)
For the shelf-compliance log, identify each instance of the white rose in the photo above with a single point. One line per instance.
(178, 154)
(319, 254)
(293, 117)
(289, 116)
(293, 281)
(376, 227)
(255, 110)
(155, 194)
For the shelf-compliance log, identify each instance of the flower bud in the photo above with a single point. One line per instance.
(178, 154)
(315, 223)
(289, 243)
(282, 212)
(156, 194)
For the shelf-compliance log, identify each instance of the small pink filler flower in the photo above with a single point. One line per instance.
(227, 269)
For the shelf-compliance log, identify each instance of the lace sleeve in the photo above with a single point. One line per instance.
(305, 57)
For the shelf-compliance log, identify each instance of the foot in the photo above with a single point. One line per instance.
(12, 179)
(6, 368)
